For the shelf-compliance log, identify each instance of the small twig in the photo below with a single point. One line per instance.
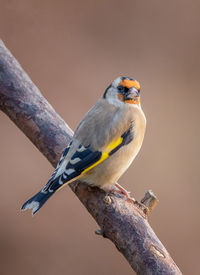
(149, 201)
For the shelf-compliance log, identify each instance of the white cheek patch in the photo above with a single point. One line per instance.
(113, 99)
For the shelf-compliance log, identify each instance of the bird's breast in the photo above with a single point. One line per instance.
(110, 170)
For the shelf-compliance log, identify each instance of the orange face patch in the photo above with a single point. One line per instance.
(135, 100)
(120, 97)
(130, 83)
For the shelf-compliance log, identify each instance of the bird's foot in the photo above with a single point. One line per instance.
(123, 191)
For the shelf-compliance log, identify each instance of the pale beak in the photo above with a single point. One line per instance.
(132, 93)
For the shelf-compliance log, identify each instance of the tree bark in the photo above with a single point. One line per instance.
(120, 220)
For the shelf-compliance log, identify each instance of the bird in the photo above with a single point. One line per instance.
(104, 144)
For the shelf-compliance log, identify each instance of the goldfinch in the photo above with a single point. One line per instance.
(104, 145)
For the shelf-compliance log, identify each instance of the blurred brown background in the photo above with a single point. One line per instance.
(72, 50)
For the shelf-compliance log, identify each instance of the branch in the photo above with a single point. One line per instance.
(121, 221)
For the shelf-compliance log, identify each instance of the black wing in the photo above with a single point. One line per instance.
(85, 159)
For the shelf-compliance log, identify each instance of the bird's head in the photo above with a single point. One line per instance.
(123, 90)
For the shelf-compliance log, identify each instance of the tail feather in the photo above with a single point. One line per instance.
(37, 201)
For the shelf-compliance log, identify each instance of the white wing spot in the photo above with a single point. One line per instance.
(60, 181)
(69, 171)
(73, 161)
(44, 191)
(81, 149)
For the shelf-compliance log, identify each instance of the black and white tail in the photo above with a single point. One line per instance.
(54, 183)
(37, 201)
(64, 173)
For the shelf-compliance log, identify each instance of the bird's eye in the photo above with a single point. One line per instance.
(120, 88)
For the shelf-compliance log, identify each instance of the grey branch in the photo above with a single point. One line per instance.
(121, 221)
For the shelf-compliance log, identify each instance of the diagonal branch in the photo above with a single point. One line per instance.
(123, 222)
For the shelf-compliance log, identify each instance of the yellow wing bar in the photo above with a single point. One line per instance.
(105, 154)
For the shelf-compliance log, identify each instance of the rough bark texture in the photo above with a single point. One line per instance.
(123, 222)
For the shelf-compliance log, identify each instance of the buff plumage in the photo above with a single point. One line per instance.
(104, 144)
